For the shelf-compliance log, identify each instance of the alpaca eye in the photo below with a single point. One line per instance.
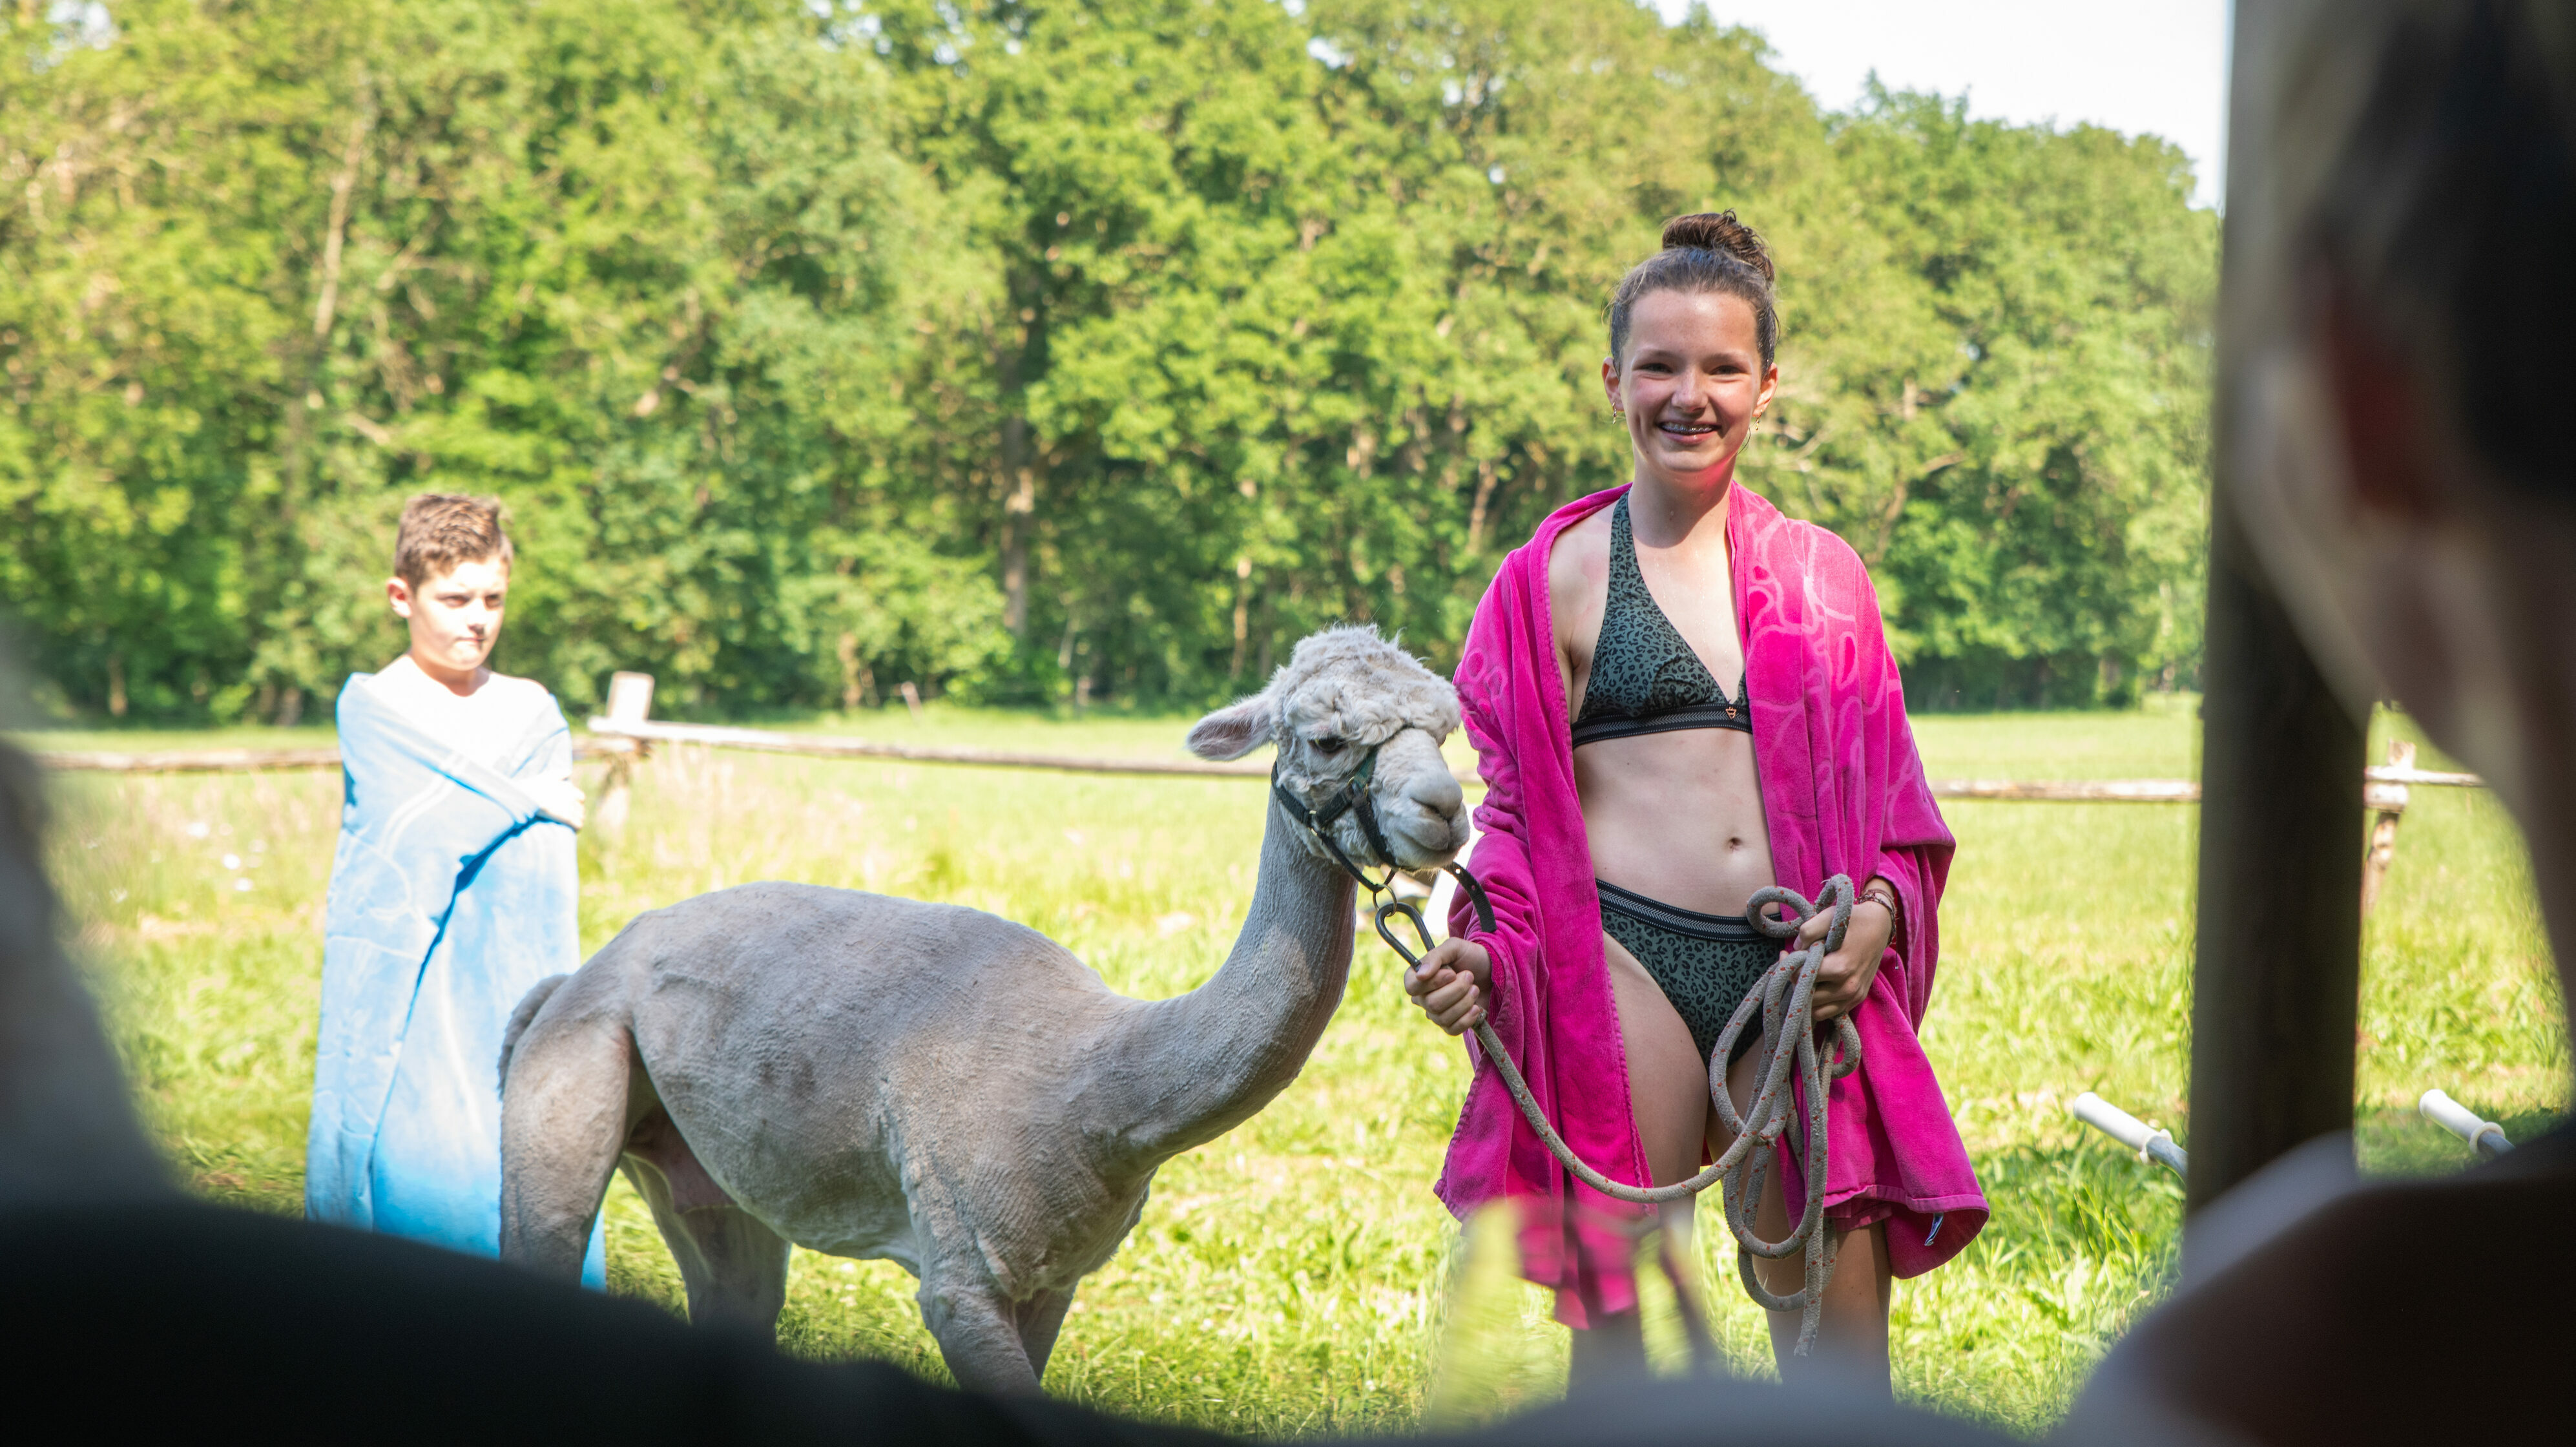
(1328, 744)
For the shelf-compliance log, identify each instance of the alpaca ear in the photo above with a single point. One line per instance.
(1235, 730)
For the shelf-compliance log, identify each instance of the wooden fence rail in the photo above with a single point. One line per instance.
(619, 740)
(2175, 791)
(250, 761)
(626, 735)
(835, 747)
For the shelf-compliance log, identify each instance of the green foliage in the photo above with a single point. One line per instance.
(1102, 347)
(630, 266)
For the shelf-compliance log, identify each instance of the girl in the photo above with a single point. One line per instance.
(1679, 697)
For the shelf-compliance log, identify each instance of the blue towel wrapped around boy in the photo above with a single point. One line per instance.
(453, 891)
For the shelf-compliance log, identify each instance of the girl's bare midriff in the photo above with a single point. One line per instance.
(1676, 817)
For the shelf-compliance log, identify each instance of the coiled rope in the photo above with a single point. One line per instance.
(1782, 999)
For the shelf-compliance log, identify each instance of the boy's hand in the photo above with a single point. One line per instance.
(558, 799)
(1450, 984)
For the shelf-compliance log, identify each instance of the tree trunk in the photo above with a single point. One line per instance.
(1019, 510)
(1242, 615)
(1486, 476)
(1019, 462)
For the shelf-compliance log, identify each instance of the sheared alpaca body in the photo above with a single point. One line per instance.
(867, 1076)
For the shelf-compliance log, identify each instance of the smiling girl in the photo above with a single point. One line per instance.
(1679, 697)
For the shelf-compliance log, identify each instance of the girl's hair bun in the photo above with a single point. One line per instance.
(1708, 252)
(1719, 231)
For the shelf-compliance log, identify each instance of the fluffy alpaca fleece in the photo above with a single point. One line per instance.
(1343, 683)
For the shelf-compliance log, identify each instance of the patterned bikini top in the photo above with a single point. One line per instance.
(1645, 677)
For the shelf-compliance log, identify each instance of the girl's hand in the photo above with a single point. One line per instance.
(1843, 980)
(1450, 983)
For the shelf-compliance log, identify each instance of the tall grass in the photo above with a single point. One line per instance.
(1294, 1276)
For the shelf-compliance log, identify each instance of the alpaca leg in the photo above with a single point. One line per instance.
(564, 1109)
(734, 1267)
(978, 1331)
(1040, 1318)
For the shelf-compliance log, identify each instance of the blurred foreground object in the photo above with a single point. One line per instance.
(2397, 518)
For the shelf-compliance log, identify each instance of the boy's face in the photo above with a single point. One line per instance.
(455, 617)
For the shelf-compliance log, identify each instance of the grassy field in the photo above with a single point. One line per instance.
(1297, 1276)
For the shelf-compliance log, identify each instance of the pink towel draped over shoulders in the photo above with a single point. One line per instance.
(1843, 793)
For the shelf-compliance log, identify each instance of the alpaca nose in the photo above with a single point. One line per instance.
(1423, 808)
(1423, 837)
(1437, 793)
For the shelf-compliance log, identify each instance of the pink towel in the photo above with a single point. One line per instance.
(1843, 792)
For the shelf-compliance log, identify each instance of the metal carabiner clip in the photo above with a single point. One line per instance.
(1421, 931)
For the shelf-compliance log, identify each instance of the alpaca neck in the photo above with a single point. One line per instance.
(1197, 1066)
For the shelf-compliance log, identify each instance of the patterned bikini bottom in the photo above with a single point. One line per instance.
(1706, 963)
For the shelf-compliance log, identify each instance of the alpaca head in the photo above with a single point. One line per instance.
(1344, 691)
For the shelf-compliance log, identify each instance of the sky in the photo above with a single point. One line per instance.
(2133, 65)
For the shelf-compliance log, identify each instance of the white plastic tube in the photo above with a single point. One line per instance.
(2128, 1130)
(2484, 1136)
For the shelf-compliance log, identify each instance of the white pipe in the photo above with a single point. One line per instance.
(2484, 1136)
(2128, 1130)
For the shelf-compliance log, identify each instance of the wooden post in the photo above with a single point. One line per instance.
(630, 697)
(2276, 981)
(2387, 801)
(2276, 985)
(630, 700)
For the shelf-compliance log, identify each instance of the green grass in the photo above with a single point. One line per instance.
(1295, 1276)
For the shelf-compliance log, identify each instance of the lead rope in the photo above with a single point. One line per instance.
(1788, 1042)
(1783, 999)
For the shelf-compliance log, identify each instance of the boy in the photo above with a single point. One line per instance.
(452, 894)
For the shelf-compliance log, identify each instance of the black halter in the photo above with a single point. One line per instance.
(1354, 797)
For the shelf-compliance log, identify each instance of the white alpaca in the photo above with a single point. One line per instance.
(874, 1077)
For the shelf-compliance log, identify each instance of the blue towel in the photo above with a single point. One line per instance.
(451, 896)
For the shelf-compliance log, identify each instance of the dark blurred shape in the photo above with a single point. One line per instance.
(67, 1134)
(1817, 1412)
(228, 1321)
(2394, 367)
(2450, 215)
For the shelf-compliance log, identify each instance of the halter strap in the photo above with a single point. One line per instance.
(1354, 797)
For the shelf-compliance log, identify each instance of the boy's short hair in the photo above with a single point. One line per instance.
(441, 530)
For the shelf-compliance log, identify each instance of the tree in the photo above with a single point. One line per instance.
(1039, 348)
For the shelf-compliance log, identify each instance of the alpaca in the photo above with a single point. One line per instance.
(871, 1077)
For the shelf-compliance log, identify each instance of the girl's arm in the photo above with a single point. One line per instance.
(1476, 973)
